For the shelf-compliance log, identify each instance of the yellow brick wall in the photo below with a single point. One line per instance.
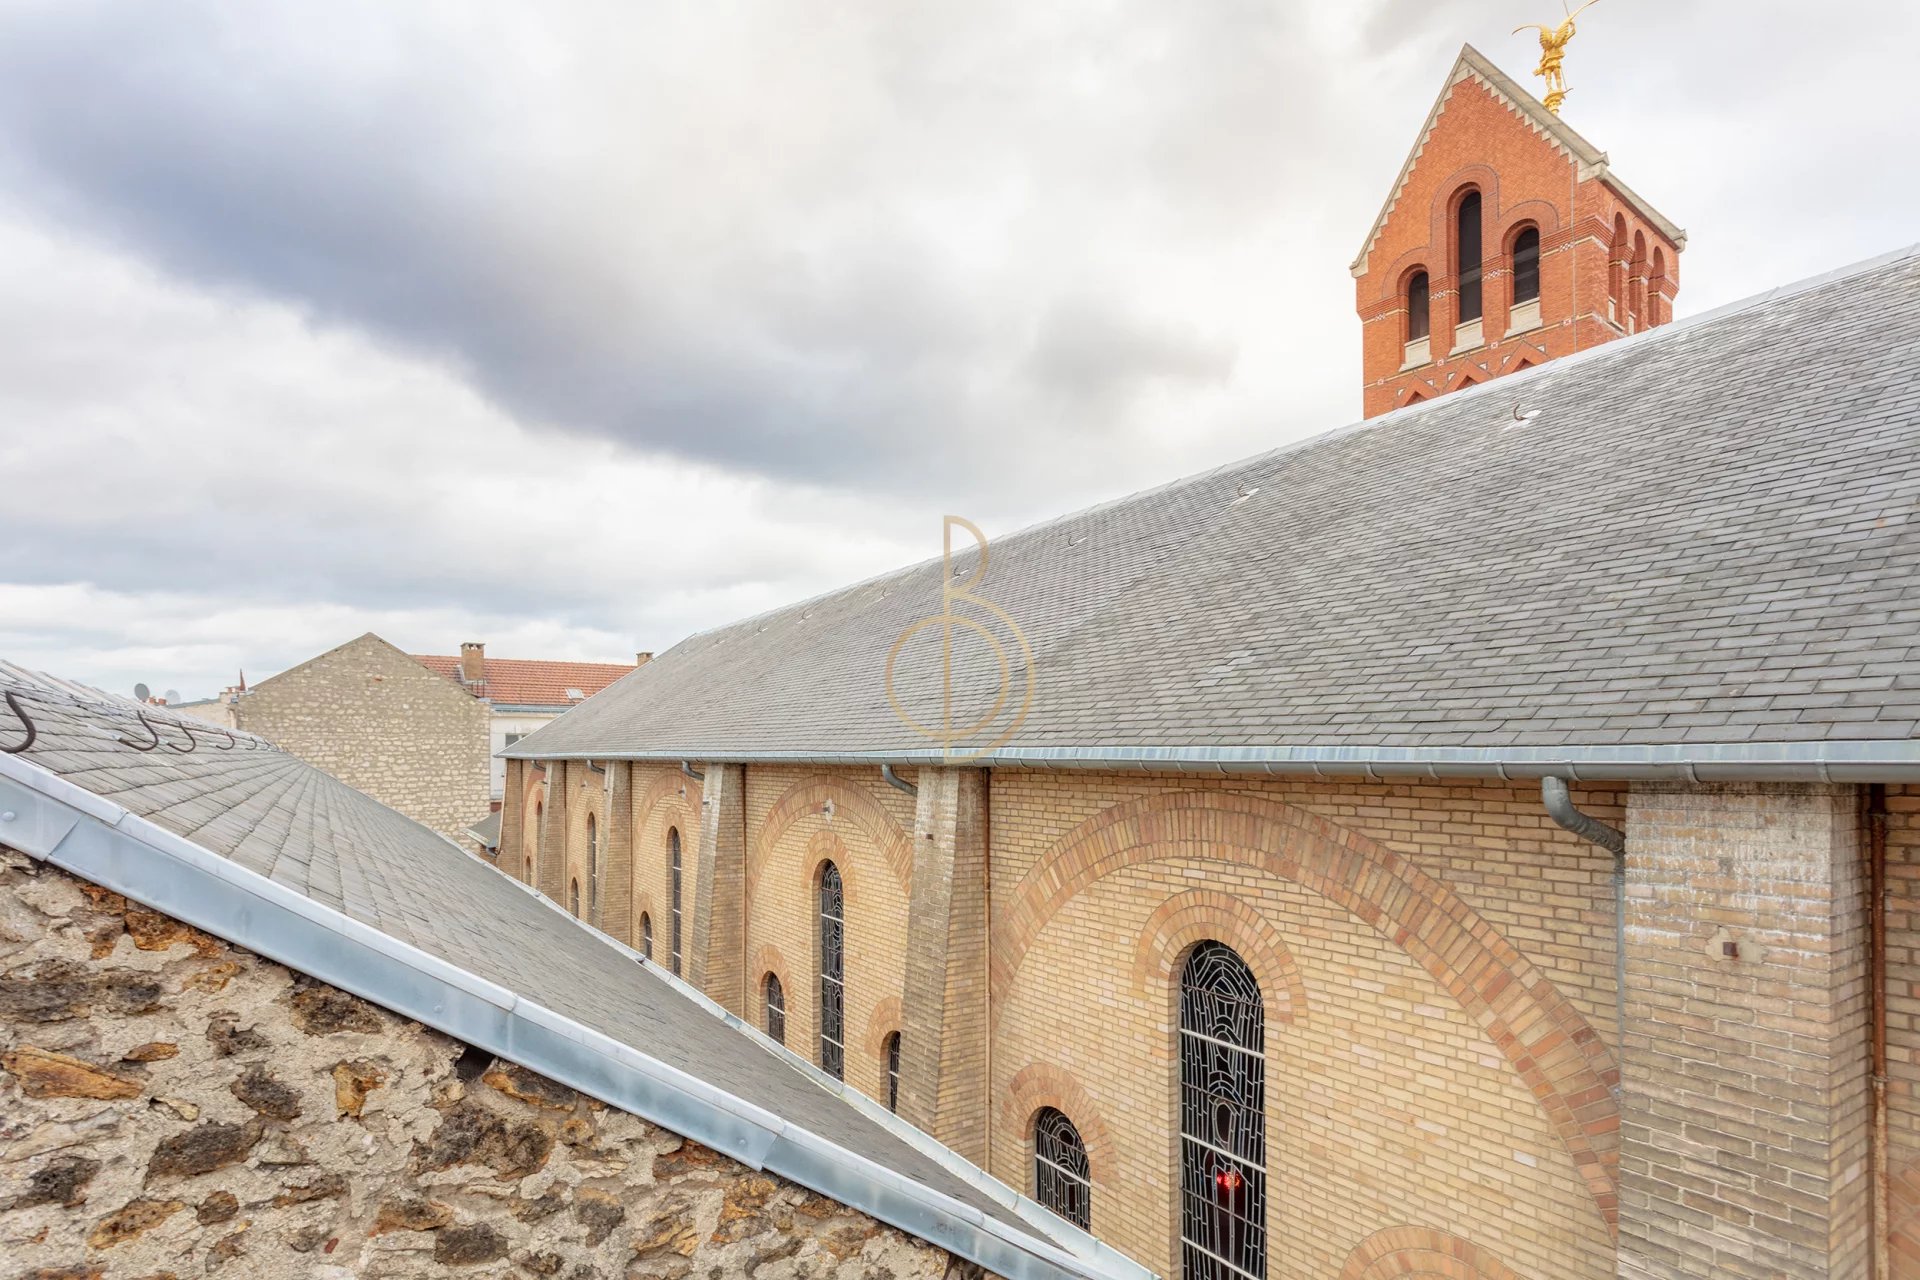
(664, 800)
(868, 836)
(1389, 1105)
(1437, 962)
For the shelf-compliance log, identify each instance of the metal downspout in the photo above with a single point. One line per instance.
(1560, 807)
(897, 782)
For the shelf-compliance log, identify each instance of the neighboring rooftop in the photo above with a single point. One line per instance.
(528, 682)
(1697, 549)
(235, 837)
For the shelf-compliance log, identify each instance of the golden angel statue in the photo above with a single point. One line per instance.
(1553, 49)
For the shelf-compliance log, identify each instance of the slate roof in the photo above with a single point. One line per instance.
(236, 796)
(487, 830)
(1701, 539)
(528, 682)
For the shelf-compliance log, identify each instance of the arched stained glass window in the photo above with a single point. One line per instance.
(1223, 1219)
(833, 977)
(775, 998)
(1061, 1180)
(673, 876)
(593, 866)
(893, 1072)
(646, 935)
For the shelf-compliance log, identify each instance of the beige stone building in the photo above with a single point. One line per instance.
(1481, 843)
(416, 732)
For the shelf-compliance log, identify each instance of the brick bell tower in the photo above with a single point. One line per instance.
(1506, 241)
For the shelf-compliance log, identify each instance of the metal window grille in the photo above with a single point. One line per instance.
(673, 856)
(833, 943)
(893, 1072)
(1223, 1220)
(775, 998)
(1061, 1180)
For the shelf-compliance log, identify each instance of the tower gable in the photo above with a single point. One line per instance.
(1566, 256)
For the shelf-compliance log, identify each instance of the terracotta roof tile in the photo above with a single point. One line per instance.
(525, 682)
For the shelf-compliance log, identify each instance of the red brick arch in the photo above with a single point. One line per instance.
(768, 960)
(1200, 914)
(881, 1023)
(1556, 1053)
(1422, 1253)
(851, 805)
(1042, 1084)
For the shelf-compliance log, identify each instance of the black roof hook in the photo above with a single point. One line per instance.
(229, 734)
(143, 746)
(32, 733)
(187, 729)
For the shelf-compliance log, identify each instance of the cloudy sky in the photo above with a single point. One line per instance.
(574, 328)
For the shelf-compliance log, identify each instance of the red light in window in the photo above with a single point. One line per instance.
(1227, 1181)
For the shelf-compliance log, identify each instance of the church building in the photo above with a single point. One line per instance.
(1506, 241)
(1480, 842)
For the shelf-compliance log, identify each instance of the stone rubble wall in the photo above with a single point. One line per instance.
(172, 1106)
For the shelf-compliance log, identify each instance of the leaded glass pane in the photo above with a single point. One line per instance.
(1060, 1176)
(833, 943)
(1222, 1118)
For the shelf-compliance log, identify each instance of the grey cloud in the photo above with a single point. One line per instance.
(389, 178)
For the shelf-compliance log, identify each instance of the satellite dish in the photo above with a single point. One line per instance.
(173, 695)
(141, 692)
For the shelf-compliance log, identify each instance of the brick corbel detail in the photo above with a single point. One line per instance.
(717, 956)
(943, 1044)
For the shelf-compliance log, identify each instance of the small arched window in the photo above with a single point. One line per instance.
(673, 884)
(893, 1072)
(1223, 1123)
(1061, 1180)
(573, 897)
(1526, 266)
(774, 996)
(1466, 255)
(833, 975)
(646, 935)
(593, 865)
(1419, 308)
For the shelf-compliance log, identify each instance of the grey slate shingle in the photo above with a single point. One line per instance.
(1727, 503)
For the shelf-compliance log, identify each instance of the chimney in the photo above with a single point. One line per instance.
(642, 658)
(473, 663)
